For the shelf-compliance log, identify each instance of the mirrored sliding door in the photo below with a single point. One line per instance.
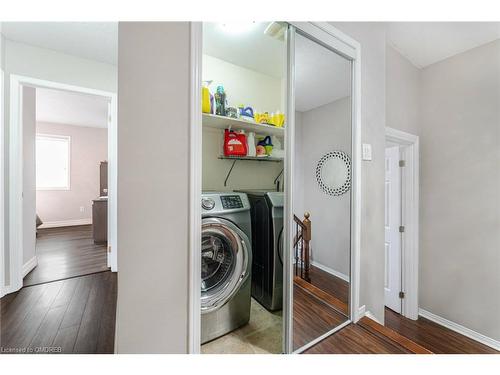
(322, 174)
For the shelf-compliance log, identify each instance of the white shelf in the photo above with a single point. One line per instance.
(255, 158)
(222, 122)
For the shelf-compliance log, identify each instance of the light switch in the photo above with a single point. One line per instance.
(367, 151)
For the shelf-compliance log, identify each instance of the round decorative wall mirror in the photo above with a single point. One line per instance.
(333, 173)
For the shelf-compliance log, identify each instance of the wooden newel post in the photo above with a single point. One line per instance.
(307, 239)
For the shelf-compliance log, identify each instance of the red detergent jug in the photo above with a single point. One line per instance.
(235, 144)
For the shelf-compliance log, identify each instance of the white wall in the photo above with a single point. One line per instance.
(460, 189)
(26, 60)
(372, 38)
(403, 93)
(321, 130)
(250, 88)
(243, 86)
(153, 186)
(88, 147)
(2, 158)
(29, 173)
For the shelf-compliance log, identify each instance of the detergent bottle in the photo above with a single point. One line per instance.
(205, 98)
(252, 151)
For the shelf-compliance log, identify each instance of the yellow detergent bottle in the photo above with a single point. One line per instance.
(205, 98)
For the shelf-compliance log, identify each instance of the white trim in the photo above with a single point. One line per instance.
(195, 186)
(67, 138)
(29, 265)
(16, 168)
(369, 314)
(331, 271)
(65, 223)
(492, 343)
(2, 187)
(409, 145)
(361, 311)
(322, 337)
(288, 188)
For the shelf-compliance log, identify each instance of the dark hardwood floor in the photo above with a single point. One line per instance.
(76, 315)
(433, 336)
(312, 316)
(66, 252)
(330, 284)
(354, 339)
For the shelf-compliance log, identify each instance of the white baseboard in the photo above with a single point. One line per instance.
(29, 265)
(65, 223)
(460, 329)
(331, 271)
(361, 312)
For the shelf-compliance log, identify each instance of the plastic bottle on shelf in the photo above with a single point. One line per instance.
(252, 151)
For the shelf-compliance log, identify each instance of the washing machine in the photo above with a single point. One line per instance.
(267, 247)
(226, 263)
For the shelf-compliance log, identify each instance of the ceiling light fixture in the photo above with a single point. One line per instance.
(237, 27)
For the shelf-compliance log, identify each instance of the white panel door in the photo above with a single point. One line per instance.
(392, 280)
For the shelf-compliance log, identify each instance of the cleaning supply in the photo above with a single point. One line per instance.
(220, 101)
(267, 144)
(205, 98)
(235, 144)
(252, 151)
(246, 113)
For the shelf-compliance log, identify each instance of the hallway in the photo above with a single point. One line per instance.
(66, 252)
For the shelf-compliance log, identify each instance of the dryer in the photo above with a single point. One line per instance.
(267, 247)
(226, 263)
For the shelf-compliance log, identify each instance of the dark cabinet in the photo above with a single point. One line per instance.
(100, 220)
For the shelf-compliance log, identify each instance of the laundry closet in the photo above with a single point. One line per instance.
(276, 243)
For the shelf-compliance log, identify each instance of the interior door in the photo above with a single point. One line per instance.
(392, 280)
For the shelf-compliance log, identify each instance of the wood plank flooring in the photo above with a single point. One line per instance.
(76, 315)
(433, 336)
(330, 284)
(312, 317)
(66, 252)
(354, 339)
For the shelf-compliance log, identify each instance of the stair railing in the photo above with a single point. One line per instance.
(301, 246)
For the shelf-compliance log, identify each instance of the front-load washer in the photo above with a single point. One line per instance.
(226, 263)
(267, 247)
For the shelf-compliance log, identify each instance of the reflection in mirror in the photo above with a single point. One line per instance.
(322, 194)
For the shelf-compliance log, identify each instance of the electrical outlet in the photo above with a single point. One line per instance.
(82, 209)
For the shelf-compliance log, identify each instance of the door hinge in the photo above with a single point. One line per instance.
(401, 295)
(402, 163)
(401, 229)
(109, 248)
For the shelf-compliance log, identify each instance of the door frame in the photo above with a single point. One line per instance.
(410, 153)
(346, 46)
(16, 172)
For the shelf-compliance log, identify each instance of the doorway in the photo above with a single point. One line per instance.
(401, 223)
(23, 227)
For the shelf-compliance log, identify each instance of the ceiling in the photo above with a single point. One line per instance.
(245, 45)
(321, 75)
(64, 107)
(425, 43)
(91, 40)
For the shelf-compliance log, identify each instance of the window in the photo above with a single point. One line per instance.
(52, 162)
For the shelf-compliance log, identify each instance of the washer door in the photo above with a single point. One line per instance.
(224, 262)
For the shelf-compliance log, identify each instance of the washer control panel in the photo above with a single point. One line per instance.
(207, 203)
(231, 201)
